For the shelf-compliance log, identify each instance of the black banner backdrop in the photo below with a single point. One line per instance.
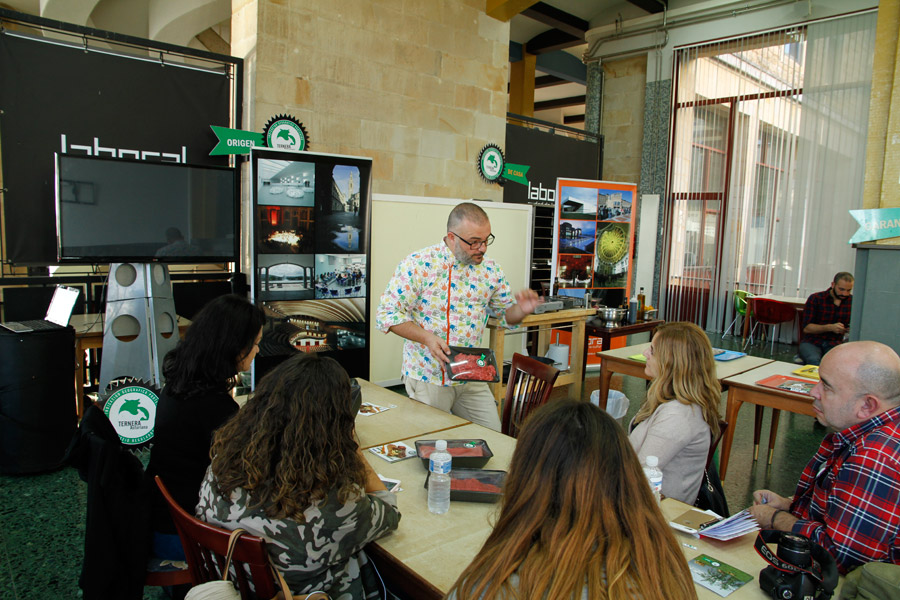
(549, 156)
(61, 98)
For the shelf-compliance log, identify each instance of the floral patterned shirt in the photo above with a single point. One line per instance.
(446, 297)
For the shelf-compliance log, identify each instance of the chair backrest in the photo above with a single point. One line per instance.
(529, 385)
(205, 547)
(740, 301)
(723, 425)
(772, 312)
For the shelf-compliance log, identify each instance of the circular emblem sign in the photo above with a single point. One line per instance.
(284, 132)
(132, 411)
(490, 163)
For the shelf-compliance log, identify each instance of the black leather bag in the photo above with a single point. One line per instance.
(711, 495)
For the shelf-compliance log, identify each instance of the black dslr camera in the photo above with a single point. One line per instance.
(800, 570)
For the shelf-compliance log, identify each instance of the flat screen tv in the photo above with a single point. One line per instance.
(310, 236)
(119, 210)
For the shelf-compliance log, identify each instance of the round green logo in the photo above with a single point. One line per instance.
(284, 132)
(132, 412)
(490, 163)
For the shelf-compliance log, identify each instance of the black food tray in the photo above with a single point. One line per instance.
(462, 462)
(483, 476)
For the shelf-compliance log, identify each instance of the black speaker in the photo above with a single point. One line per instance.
(37, 399)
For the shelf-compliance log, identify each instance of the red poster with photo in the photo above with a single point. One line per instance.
(593, 247)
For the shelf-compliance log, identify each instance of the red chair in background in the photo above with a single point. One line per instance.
(769, 312)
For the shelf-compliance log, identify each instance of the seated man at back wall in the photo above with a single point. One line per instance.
(848, 497)
(826, 319)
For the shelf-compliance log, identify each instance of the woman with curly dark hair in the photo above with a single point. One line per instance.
(287, 468)
(200, 372)
(578, 519)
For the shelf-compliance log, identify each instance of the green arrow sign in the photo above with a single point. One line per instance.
(876, 224)
(516, 173)
(235, 141)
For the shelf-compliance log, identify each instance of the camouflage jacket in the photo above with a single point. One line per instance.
(324, 553)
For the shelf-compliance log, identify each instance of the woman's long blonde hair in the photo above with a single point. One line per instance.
(686, 372)
(577, 511)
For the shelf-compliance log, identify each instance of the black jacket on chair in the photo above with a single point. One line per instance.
(117, 532)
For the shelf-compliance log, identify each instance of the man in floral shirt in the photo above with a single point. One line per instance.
(848, 497)
(440, 297)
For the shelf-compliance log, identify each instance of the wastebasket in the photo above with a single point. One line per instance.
(617, 404)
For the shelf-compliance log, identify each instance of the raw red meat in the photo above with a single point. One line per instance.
(425, 451)
(473, 485)
(465, 366)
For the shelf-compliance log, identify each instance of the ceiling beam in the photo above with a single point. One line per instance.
(559, 64)
(651, 6)
(213, 41)
(557, 19)
(548, 81)
(559, 103)
(551, 41)
(504, 10)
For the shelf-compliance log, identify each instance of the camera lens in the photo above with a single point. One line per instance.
(794, 549)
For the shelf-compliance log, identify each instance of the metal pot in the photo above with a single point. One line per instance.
(611, 315)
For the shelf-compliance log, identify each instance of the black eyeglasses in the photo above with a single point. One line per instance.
(476, 243)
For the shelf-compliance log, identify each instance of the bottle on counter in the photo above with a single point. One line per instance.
(640, 305)
(439, 464)
(633, 309)
(654, 476)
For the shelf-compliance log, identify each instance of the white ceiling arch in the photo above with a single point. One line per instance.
(179, 21)
(77, 12)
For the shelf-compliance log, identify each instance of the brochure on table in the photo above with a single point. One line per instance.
(593, 246)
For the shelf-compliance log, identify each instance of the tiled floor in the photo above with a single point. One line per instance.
(42, 516)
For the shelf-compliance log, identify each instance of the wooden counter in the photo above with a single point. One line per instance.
(543, 324)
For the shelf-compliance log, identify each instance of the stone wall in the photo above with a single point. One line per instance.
(623, 117)
(418, 85)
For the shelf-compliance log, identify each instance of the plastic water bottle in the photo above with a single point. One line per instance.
(654, 476)
(439, 481)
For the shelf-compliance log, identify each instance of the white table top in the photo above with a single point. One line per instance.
(408, 418)
(439, 547)
(750, 378)
(724, 369)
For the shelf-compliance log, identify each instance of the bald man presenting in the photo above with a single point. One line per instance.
(848, 498)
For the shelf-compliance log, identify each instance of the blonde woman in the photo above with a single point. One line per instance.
(578, 519)
(681, 411)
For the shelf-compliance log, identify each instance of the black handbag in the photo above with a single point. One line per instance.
(711, 495)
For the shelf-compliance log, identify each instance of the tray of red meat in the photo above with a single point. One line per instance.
(473, 364)
(475, 485)
(467, 454)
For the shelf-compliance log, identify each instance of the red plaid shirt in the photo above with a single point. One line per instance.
(820, 310)
(848, 498)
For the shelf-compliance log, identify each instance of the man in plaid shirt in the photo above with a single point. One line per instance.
(826, 319)
(848, 498)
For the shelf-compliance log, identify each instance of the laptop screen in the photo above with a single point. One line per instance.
(62, 304)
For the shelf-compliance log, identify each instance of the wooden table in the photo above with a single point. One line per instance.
(738, 553)
(408, 418)
(427, 552)
(743, 388)
(89, 335)
(618, 361)
(607, 332)
(544, 323)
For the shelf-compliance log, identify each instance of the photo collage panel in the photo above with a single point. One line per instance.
(310, 231)
(594, 240)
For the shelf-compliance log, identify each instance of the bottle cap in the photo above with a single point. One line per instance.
(652, 461)
(440, 446)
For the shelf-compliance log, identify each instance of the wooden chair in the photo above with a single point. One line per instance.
(714, 444)
(529, 386)
(206, 545)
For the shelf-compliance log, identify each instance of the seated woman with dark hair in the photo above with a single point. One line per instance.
(287, 468)
(200, 372)
(681, 412)
(578, 519)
